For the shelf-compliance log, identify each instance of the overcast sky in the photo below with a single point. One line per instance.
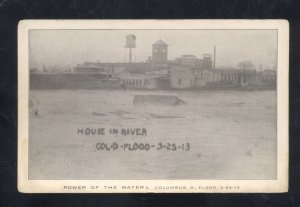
(66, 48)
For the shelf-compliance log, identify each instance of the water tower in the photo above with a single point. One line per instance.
(130, 43)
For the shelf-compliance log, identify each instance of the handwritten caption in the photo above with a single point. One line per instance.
(101, 146)
(127, 146)
(113, 131)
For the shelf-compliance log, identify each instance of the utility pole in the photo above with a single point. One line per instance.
(244, 79)
(130, 55)
(260, 76)
(215, 57)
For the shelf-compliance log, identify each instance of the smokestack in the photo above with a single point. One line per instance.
(215, 57)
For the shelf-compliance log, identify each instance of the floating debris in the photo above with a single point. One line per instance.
(119, 113)
(98, 114)
(165, 116)
(169, 100)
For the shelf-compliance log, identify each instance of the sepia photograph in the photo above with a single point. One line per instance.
(186, 107)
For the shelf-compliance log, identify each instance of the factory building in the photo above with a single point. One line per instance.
(269, 75)
(159, 52)
(186, 71)
(207, 75)
(181, 77)
(207, 61)
(188, 60)
(88, 68)
(192, 61)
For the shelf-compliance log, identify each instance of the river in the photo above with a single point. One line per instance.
(231, 135)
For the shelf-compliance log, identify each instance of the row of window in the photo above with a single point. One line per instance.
(160, 50)
(217, 77)
(193, 82)
(231, 78)
(136, 82)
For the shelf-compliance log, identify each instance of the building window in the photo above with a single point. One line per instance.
(179, 81)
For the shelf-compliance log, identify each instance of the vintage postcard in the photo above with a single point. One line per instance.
(119, 106)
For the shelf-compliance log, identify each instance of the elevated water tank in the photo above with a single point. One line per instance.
(130, 41)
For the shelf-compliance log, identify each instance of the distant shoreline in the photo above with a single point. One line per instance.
(164, 90)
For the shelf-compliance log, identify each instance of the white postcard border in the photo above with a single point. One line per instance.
(159, 186)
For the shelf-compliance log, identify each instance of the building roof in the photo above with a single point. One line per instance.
(180, 68)
(234, 71)
(160, 42)
(131, 35)
(193, 56)
(140, 76)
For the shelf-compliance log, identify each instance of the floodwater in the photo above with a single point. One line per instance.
(232, 135)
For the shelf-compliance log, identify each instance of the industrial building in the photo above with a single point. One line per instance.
(184, 72)
(181, 77)
(159, 52)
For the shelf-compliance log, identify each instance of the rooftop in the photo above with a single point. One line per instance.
(160, 42)
(140, 76)
(193, 56)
